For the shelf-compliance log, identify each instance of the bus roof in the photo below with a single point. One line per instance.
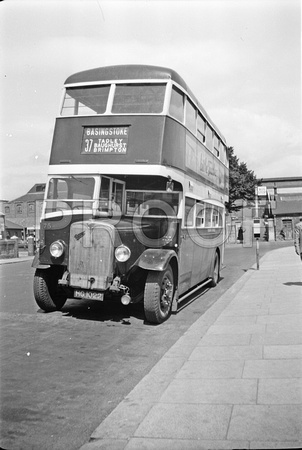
(125, 72)
(136, 72)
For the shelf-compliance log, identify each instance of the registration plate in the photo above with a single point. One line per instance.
(89, 295)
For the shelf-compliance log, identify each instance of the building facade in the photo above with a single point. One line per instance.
(281, 204)
(277, 207)
(22, 215)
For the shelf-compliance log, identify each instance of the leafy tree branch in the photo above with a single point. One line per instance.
(242, 182)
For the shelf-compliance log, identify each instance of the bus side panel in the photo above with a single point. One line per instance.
(186, 262)
(143, 140)
(195, 261)
(202, 258)
(183, 150)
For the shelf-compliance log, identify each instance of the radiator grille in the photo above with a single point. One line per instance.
(91, 255)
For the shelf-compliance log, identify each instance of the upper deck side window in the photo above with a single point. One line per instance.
(190, 116)
(216, 144)
(139, 98)
(201, 128)
(184, 110)
(177, 102)
(209, 137)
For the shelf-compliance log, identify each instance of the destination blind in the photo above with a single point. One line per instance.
(110, 140)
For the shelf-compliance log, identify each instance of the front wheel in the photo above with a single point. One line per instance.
(215, 272)
(158, 295)
(48, 294)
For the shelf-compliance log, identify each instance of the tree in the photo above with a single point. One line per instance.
(242, 182)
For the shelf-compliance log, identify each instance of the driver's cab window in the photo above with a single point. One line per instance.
(111, 196)
(104, 194)
(117, 196)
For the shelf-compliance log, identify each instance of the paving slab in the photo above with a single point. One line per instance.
(277, 338)
(225, 339)
(293, 351)
(229, 391)
(237, 329)
(283, 327)
(227, 352)
(248, 319)
(186, 421)
(266, 445)
(242, 310)
(106, 444)
(200, 369)
(280, 391)
(266, 423)
(183, 444)
(284, 319)
(273, 368)
(281, 307)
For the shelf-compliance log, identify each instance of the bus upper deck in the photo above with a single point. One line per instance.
(141, 116)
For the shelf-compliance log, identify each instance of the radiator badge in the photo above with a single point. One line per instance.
(79, 235)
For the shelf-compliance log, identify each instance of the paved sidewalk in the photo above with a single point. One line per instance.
(23, 256)
(232, 381)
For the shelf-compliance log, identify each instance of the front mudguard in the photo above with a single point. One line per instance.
(36, 262)
(156, 259)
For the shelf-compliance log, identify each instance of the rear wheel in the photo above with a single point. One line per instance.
(158, 296)
(48, 294)
(216, 271)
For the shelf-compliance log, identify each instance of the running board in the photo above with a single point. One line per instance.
(193, 290)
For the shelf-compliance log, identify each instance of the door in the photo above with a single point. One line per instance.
(287, 225)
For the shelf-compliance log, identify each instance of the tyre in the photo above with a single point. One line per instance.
(215, 276)
(48, 294)
(158, 295)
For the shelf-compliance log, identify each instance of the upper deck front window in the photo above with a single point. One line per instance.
(138, 99)
(132, 98)
(85, 101)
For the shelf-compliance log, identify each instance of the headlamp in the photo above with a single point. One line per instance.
(57, 248)
(122, 253)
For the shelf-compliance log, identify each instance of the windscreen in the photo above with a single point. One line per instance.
(69, 193)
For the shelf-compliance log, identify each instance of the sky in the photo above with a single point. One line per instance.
(241, 59)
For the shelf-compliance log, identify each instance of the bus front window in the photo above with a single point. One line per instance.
(69, 193)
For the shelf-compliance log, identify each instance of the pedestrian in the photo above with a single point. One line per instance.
(298, 238)
(240, 235)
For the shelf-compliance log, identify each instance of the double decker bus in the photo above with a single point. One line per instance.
(134, 202)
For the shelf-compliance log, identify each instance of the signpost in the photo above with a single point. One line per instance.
(257, 236)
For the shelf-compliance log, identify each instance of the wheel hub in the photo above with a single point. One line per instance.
(167, 293)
